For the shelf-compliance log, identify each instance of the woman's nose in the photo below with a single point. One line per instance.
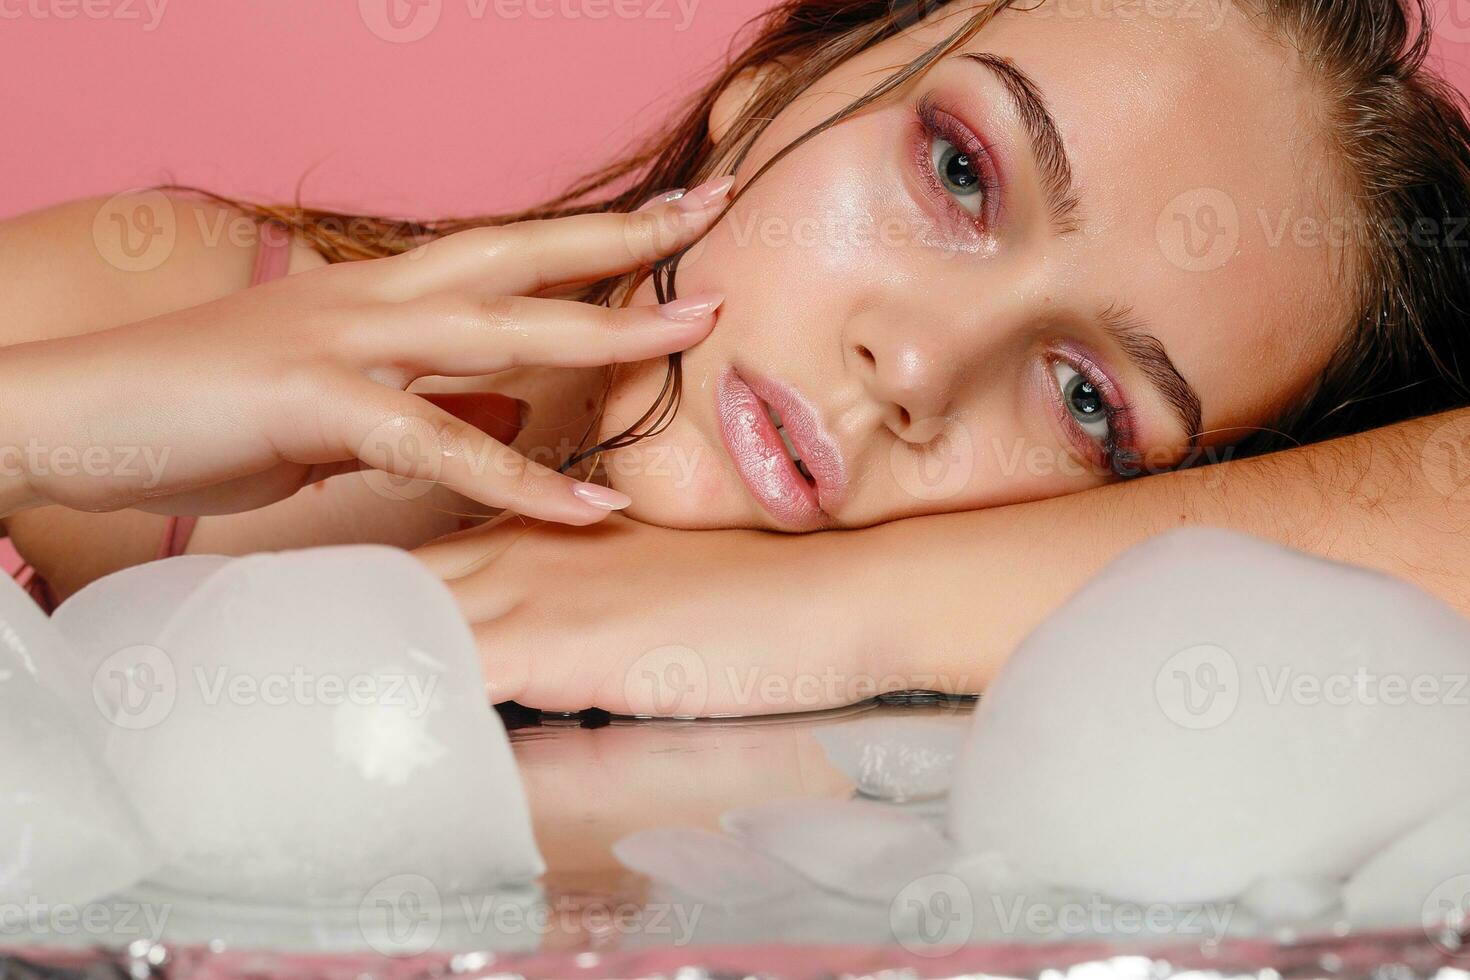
(911, 382)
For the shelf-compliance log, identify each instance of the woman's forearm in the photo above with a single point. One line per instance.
(965, 589)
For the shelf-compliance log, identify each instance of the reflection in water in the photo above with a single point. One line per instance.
(589, 787)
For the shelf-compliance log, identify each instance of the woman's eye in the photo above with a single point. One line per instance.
(1083, 401)
(957, 174)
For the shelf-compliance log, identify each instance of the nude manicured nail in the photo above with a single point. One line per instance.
(603, 498)
(693, 308)
(663, 198)
(708, 194)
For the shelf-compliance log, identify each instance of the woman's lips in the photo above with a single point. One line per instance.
(762, 459)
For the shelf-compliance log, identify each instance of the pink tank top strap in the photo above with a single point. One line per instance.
(272, 258)
(274, 254)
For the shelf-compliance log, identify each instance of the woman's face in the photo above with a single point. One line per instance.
(1094, 241)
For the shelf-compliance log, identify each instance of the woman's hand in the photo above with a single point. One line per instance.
(240, 402)
(651, 621)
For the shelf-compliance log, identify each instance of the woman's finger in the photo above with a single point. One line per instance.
(531, 256)
(459, 336)
(408, 439)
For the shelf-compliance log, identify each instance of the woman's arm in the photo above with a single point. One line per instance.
(630, 617)
(251, 396)
(961, 591)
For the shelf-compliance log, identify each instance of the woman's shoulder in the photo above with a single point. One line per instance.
(98, 262)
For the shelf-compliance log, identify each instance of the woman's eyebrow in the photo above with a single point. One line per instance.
(1149, 356)
(1047, 147)
(1140, 346)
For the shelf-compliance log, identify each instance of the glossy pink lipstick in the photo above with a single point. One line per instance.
(744, 405)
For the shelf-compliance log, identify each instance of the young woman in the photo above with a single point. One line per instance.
(977, 255)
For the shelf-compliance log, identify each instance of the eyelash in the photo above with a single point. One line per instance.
(937, 124)
(1116, 452)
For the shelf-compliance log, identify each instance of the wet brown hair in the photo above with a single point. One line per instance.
(1398, 134)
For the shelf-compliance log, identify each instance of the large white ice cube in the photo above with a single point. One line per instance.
(1423, 878)
(309, 724)
(1212, 710)
(67, 834)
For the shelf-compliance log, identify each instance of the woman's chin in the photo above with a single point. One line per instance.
(694, 507)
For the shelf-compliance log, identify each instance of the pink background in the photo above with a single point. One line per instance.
(490, 108)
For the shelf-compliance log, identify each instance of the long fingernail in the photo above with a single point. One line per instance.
(663, 198)
(603, 498)
(693, 308)
(708, 194)
(523, 412)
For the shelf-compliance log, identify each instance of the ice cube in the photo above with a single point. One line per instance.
(1422, 878)
(868, 851)
(1212, 709)
(67, 833)
(314, 723)
(1284, 900)
(895, 758)
(709, 867)
(107, 621)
